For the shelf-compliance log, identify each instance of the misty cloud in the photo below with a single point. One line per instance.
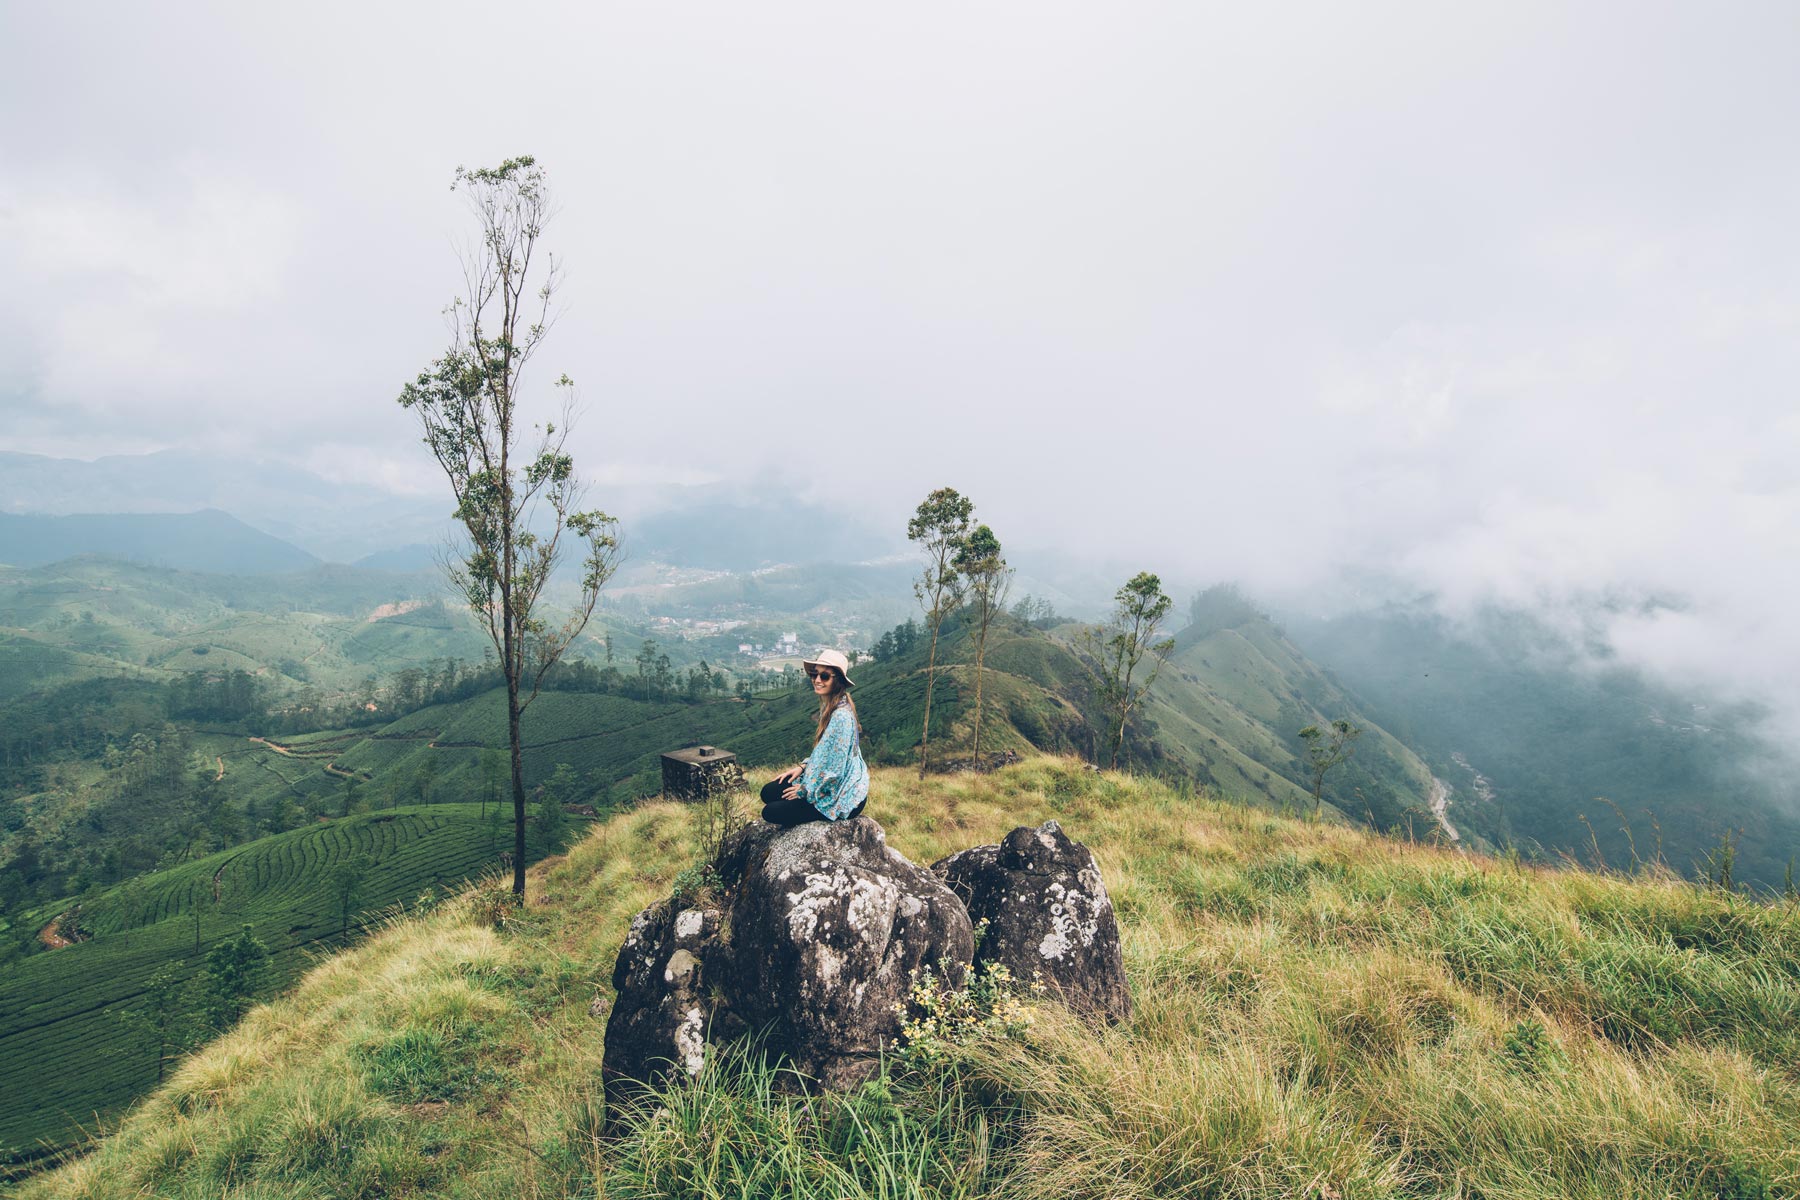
(1497, 303)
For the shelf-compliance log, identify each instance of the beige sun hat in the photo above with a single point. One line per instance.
(831, 658)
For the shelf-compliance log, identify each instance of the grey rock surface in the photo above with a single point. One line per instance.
(1049, 918)
(829, 924)
(663, 1011)
(817, 941)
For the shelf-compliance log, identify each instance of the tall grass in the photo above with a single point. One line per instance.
(1320, 1013)
(745, 1131)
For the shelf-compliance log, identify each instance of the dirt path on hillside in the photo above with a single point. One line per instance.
(51, 934)
(1440, 808)
(271, 745)
(221, 774)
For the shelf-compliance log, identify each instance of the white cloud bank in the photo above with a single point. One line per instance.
(1499, 300)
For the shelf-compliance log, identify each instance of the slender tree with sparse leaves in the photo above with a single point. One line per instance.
(519, 506)
(983, 566)
(1325, 749)
(938, 527)
(1113, 653)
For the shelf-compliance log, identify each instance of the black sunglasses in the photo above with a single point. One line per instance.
(827, 673)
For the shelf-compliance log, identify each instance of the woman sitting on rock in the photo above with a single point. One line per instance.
(832, 784)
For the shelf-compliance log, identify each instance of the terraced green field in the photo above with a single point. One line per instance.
(64, 1054)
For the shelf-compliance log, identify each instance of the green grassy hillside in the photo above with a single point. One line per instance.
(64, 1052)
(1548, 730)
(1320, 1013)
(328, 627)
(1225, 713)
(617, 741)
(26, 664)
(1245, 692)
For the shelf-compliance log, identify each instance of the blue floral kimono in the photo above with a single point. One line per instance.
(836, 779)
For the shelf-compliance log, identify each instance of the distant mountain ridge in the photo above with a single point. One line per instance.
(720, 526)
(209, 540)
(335, 521)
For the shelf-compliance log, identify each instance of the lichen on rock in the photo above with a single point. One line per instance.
(659, 1018)
(1049, 918)
(831, 925)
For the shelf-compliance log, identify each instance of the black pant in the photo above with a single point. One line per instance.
(777, 811)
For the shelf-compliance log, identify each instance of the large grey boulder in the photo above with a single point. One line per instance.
(817, 941)
(829, 925)
(1049, 919)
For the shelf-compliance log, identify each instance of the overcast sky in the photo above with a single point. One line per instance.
(1498, 300)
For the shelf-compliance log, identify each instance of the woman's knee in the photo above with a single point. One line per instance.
(790, 812)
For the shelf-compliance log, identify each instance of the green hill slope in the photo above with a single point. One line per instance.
(1508, 709)
(63, 1050)
(1223, 716)
(1320, 1012)
(1224, 713)
(1231, 703)
(327, 627)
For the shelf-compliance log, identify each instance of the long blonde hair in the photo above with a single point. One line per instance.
(839, 694)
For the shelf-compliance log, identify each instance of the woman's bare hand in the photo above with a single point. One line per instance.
(791, 773)
(792, 793)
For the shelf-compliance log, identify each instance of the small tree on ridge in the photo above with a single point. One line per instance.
(1325, 749)
(1113, 653)
(939, 527)
(984, 567)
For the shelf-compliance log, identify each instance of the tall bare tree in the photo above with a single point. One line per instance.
(938, 527)
(1113, 653)
(520, 507)
(983, 566)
